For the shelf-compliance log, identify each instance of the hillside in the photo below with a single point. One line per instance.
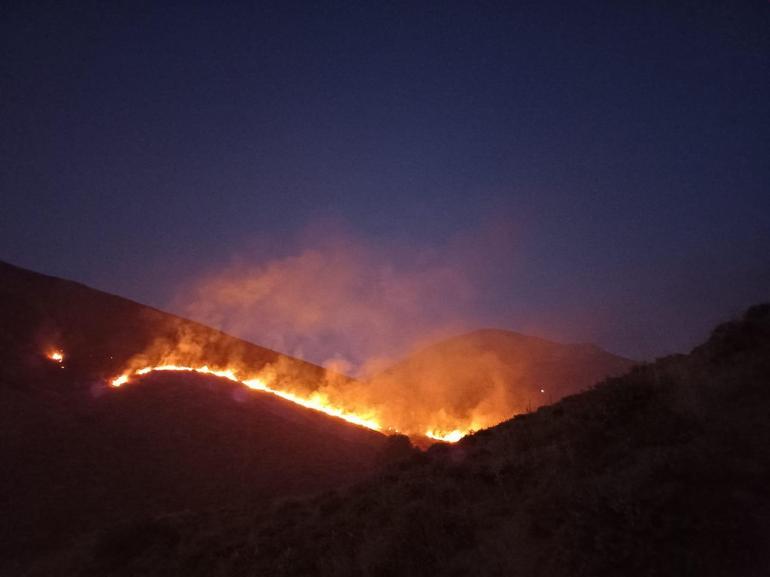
(663, 471)
(78, 454)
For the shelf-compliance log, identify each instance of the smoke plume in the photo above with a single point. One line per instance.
(339, 302)
(356, 309)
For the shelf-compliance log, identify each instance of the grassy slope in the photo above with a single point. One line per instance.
(664, 471)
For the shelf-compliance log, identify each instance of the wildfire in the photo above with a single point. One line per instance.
(316, 400)
(382, 404)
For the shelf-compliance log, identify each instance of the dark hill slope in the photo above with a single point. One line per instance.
(664, 471)
(77, 455)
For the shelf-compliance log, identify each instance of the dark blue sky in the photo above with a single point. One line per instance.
(621, 146)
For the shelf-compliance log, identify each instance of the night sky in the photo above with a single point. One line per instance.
(607, 162)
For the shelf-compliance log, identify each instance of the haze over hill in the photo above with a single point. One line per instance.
(487, 376)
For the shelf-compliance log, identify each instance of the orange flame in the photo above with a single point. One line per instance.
(447, 437)
(56, 355)
(316, 400)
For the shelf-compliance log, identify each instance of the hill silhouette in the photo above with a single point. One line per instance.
(78, 454)
(662, 471)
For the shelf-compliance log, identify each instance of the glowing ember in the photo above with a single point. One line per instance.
(56, 356)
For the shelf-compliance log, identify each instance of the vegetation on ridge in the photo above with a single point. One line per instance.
(663, 471)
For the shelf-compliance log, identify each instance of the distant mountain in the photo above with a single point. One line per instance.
(663, 471)
(77, 454)
(488, 376)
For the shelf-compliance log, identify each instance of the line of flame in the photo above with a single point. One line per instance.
(315, 401)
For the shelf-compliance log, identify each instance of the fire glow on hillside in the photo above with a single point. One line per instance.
(315, 400)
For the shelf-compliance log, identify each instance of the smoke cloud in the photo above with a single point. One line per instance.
(357, 308)
(339, 302)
